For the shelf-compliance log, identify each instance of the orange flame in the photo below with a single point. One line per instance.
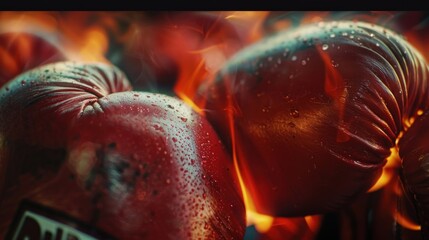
(191, 74)
(313, 222)
(250, 21)
(389, 170)
(406, 222)
(191, 103)
(304, 228)
(82, 35)
(261, 222)
(94, 46)
(10, 66)
(22, 21)
(400, 215)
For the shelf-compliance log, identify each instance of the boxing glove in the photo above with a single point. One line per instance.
(414, 149)
(83, 156)
(314, 112)
(22, 51)
(177, 48)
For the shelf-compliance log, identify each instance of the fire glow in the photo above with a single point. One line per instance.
(83, 40)
(262, 222)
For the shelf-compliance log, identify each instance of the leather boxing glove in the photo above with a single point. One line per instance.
(414, 152)
(315, 111)
(82, 156)
(22, 51)
(170, 46)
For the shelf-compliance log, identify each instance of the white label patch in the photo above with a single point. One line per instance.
(34, 222)
(40, 227)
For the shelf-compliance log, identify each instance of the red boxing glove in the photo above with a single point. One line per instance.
(316, 111)
(82, 158)
(21, 51)
(414, 152)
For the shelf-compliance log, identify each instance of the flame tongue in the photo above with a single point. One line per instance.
(389, 170)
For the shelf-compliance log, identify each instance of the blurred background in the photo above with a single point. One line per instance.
(173, 52)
